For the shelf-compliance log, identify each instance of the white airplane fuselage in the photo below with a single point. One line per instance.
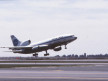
(27, 48)
(54, 44)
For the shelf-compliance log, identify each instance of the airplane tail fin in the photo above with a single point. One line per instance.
(15, 41)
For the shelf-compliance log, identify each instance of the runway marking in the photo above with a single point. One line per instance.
(83, 78)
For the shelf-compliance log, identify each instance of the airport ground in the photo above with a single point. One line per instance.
(74, 70)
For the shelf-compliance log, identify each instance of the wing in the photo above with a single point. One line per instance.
(40, 47)
(18, 47)
(27, 47)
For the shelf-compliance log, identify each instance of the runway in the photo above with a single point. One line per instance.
(53, 74)
(54, 70)
(76, 73)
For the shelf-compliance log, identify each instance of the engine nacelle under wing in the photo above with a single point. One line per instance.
(57, 48)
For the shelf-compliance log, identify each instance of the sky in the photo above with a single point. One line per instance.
(43, 19)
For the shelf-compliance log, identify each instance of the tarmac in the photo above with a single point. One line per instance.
(94, 72)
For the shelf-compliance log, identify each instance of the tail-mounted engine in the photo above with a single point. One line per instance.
(26, 43)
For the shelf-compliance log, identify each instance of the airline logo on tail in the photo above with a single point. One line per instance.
(15, 41)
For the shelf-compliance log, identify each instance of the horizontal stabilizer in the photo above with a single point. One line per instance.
(18, 47)
(7, 51)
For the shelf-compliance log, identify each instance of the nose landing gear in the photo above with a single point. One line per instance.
(65, 47)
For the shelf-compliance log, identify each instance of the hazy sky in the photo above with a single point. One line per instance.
(42, 19)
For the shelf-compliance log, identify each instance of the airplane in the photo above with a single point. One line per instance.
(52, 44)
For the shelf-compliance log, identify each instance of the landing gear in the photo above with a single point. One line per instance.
(36, 55)
(65, 47)
(47, 54)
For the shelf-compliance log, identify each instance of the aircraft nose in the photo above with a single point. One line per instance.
(75, 37)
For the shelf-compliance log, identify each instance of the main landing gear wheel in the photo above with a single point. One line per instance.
(46, 54)
(35, 55)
